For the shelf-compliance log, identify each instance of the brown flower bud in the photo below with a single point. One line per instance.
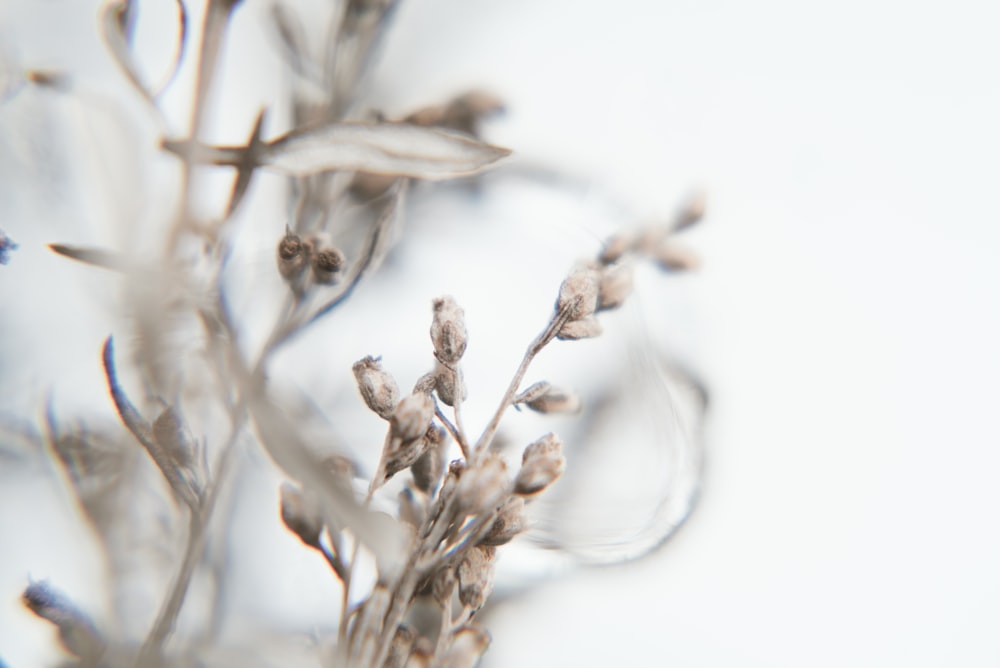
(544, 398)
(301, 514)
(482, 487)
(578, 293)
(412, 417)
(671, 256)
(615, 287)
(447, 382)
(586, 328)
(293, 256)
(542, 463)
(468, 644)
(377, 387)
(327, 265)
(475, 576)
(448, 333)
(429, 467)
(510, 521)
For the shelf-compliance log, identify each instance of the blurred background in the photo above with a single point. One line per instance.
(844, 321)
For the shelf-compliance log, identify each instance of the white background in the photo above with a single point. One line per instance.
(847, 313)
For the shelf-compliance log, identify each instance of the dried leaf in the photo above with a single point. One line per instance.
(381, 148)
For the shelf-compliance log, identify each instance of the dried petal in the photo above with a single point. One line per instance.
(377, 387)
(381, 148)
(542, 463)
(448, 333)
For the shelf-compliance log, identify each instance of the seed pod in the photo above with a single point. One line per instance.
(483, 487)
(670, 256)
(615, 286)
(429, 467)
(327, 265)
(544, 398)
(578, 293)
(404, 453)
(475, 576)
(377, 387)
(301, 514)
(586, 328)
(412, 417)
(615, 248)
(510, 521)
(446, 383)
(448, 333)
(542, 463)
(468, 644)
(293, 256)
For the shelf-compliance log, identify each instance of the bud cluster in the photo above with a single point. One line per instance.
(295, 255)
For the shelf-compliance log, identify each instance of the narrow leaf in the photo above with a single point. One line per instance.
(94, 256)
(381, 148)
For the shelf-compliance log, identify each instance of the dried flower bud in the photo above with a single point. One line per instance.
(301, 514)
(510, 521)
(76, 632)
(671, 256)
(448, 333)
(443, 585)
(399, 649)
(578, 293)
(412, 417)
(378, 388)
(475, 576)
(615, 248)
(544, 398)
(587, 328)
(468, 644)
(447, 382)
(542, 463)
(481, 488)
(327, 265)
(691, 213)
(404, 454)
(429, 467)
(616, 286)
(293, 256)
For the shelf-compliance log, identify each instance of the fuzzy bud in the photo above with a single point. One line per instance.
(468, 644)
(542, 463)
(615, 286)
(293, 256)
(301, 514)
(510, 521)
(412, 417)
(544, 398)
(615, 248)
(481, 488)
(327, 265)
(377, 387)
(448, 333)
(578, 293)
(475, 576)
(586, 328)
(670, 256)
(447, 382)
(429, 467)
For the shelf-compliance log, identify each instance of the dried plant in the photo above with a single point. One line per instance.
(197, 393)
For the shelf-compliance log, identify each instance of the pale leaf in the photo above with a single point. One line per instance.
(381, 148)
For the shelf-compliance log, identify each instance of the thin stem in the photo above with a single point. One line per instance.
(555, 324)
(453, 430)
